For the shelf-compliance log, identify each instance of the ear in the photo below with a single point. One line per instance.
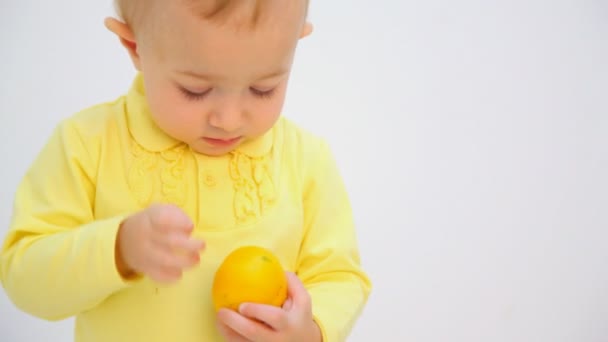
(306, 29)
(127, 38)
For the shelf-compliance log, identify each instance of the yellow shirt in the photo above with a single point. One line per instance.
(282, 191)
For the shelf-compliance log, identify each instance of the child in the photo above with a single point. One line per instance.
(128, 210)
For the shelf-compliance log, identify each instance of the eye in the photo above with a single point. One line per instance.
(191, 95)
(264, 94)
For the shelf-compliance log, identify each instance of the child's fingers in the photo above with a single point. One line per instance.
(181, 242)
(169, 267)
(297, 292)
(251, 329)
(176, 261)
(169, 218)
(229, 334)
(272, 316)
(288, 304)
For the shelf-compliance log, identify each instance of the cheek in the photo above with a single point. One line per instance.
(268, 113)
(276, 104)
(172, 114)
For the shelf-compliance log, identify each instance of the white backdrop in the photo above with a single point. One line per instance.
(473, 136)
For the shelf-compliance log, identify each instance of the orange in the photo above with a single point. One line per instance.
(249, 274)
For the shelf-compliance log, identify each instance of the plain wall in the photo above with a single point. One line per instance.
(473, 137)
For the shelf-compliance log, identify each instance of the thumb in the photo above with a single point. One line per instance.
(297, 293)
(288, 304)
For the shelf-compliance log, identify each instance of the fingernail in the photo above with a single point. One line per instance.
(242, 308)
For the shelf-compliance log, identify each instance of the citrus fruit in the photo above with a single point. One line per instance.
(249, 274)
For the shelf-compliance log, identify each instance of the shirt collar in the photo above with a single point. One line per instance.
(147, 134)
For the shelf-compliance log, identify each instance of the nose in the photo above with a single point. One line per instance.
(227, 115)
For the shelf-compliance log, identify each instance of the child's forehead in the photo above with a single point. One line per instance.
(247, 12)
(241, 14)
(248, 15)
(221, 51)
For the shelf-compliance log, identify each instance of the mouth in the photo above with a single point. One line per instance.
(222, 142)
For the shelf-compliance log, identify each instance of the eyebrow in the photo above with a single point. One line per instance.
(212, 76)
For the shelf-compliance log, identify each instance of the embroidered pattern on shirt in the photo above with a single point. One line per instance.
(253, 186)
(145, 182)
(161, 174)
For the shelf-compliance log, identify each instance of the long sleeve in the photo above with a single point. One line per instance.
(329, 263)
(56, 260)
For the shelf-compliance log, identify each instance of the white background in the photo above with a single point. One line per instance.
(473, 136)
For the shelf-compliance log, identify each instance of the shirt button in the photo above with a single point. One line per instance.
(209, 180)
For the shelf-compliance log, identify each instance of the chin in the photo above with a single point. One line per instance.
(211, 152)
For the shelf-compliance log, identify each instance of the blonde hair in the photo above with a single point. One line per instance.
(133, 12)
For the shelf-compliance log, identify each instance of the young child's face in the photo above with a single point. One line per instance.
(213, 86)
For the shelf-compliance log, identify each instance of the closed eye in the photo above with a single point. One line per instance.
(263, 94)
(191, 95)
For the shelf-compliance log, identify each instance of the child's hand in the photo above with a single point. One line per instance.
(257, 322)
(156, 242)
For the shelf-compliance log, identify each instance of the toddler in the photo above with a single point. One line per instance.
(130, 207)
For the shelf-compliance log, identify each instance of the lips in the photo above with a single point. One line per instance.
(222, 142)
